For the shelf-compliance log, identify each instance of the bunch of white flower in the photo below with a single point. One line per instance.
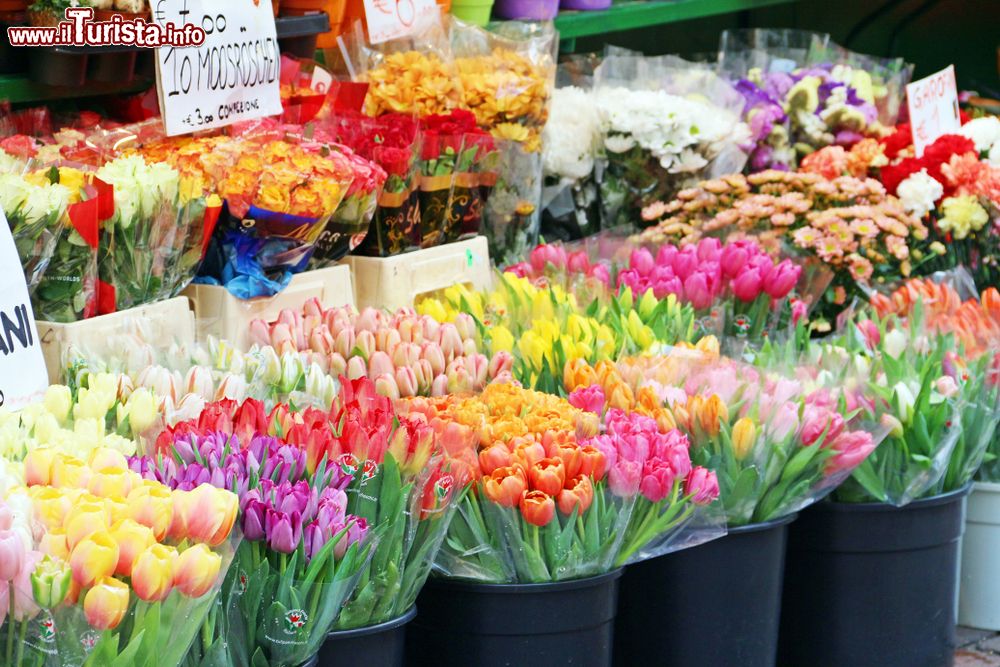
(570, 138)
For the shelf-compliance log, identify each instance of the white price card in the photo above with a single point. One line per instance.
(390, 19)
(23, 378)
(234, 75)
(933, 105)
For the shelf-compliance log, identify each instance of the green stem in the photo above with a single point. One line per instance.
(10, 615)
(20, 642)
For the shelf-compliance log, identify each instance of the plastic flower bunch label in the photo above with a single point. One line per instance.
(933, 105)
(233, 76)
(392, 19)
(23, 377)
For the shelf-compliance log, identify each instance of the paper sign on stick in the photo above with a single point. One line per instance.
(234, 76)
(389, 19)
(23, 378)
(933, 105)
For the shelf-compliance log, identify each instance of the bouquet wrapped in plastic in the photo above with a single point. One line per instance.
(554, 500)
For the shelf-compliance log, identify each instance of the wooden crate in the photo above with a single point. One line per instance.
(167, 321)
(396, 282)
(220, 314)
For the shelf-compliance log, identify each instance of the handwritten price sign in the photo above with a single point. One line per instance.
(391, 19)
(933, 104)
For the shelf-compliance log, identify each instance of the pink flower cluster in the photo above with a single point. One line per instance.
(708, 272)
(642, 459)
(405, 354)
(547, 258)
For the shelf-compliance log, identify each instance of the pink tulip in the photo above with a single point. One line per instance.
(365, 343)
(282, 339)
(410, 330)
(424, 374)
(432, 353)
(782, 279)
(356, 368)
(785, 421)
(642, 261)
(6, 516)
(406, 381)
(697, 291)
(657, 480)
(685, 263)
(466, 326)
(664, 288)
(870, 332)
(368, 320)
(544, 255)
(763, 265)
(12, 555)
(624, 477)
(578, 262)
(521, 270)
(501, 361)
(852, 448)
(439, 387)
(338, 319)
(709, 250)
(588, 399)
(665, 257)
(817, 421)
(431, 328)
(799, 310)
(702, 485)
(337, 365)
(385, 385)
(747, 286)
(733, 258)
(313, 308)
(478, 367)
(24, 601)
(630, 278)
(387, 339)
(380, 364)
(946, 386)
(600, 273)
(260, 334)
(450, 341)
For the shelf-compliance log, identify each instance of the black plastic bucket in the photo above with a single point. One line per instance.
(311, 662)
(500, 625)
(715, 605)
(872, 585)
(381, 644)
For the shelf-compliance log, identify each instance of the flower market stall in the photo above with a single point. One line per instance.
(345, 332)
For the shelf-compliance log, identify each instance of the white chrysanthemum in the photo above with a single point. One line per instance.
(984, 132)
(919, 192)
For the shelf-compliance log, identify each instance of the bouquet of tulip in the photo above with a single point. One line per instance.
(392, 142)
(35, 215)
(572, 270)
(125, 571)
(404, 354)
(557, 501)
(545, 327)
(151, 246)
(852, 225)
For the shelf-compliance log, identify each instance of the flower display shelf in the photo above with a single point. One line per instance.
(218, 313)
(167, 321)
(72, 72)
(396, 282)
(638, 14)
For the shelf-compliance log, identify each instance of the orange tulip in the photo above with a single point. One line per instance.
(38, 465)
(593, 462)
(505, 486)
(577, 374)
(210, 514)
(548, 476)
(196, 570)
(151, 505)
(106, 603)
(493, 457)
(712, 412)
(84, 519)
(153, 573)
(527, 452)
(537, 508)
(621, 397)
(569, 454)
(133, 538)
(578, 495)
(94, 558)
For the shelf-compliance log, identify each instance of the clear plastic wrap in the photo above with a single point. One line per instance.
(766, 49)
(511, 218)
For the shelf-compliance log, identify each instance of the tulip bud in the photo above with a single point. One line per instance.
(343, 344)
(282, 338)
(433, 354)
(505, 486)
(337, 365)
(320, 385)
(196, 570)
(380, 364)
(191, 405)
(53, 543)
(432, 328)
(83, 520)
(110, 483)
(270, 366)
(292, 372)
(493, 457)
(209, 514)
(58, 402)
(106, 603)
(894, 343)
(424, 376)
(152, 505)
(13, 552)
(38, 466)
(320, 340)
(385, 385)
(450, 341)
(713, 411)
(199, 381)
(364, 342)
(439, 387)
(744, 435)
(368, 320)
(142, 410)
(502, 361)
(537, 508)
(459, 380)
(160, 381)
(406, 382)
(153, 573)
(93, 558)
(133, 538)
(387, 339)
(259, 333)
(478, 367)
(356, 368)
(894, 425)
(50, 582)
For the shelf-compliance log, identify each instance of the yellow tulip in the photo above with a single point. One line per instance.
(106, 603)
(70, 473)
(153, 573)
(532, 349)
(51, 506)
(196, 570)
(142, 410)
(110, 483)
(133, 538)
(94, 558)
(709, 346)
(647, 304)
(744, 435)
(501, 339)
(106, 457)
(84, 519)
(151, 505)
(38, 465)
(53, 543)
(58, 401)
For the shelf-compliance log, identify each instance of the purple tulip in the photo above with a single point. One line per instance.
(357, 529)
(253, 520)
(284, 531)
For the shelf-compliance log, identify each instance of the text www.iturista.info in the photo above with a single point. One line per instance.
(80, 29)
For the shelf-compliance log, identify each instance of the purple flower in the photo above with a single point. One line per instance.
(254, 512)
(357, 529)
(283, 531)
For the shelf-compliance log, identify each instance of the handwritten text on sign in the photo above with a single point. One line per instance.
(233, 76)
(23, 377)
(933, 105)
(390, 19)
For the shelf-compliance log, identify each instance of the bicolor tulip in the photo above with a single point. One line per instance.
(209, 514)
(152, 505)
(153, 573)
(744, 436)
(133, 538)
(94, 558)
(84, 519)
(196, 570)
(50, 582)
(38, 464)
(106, 603)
